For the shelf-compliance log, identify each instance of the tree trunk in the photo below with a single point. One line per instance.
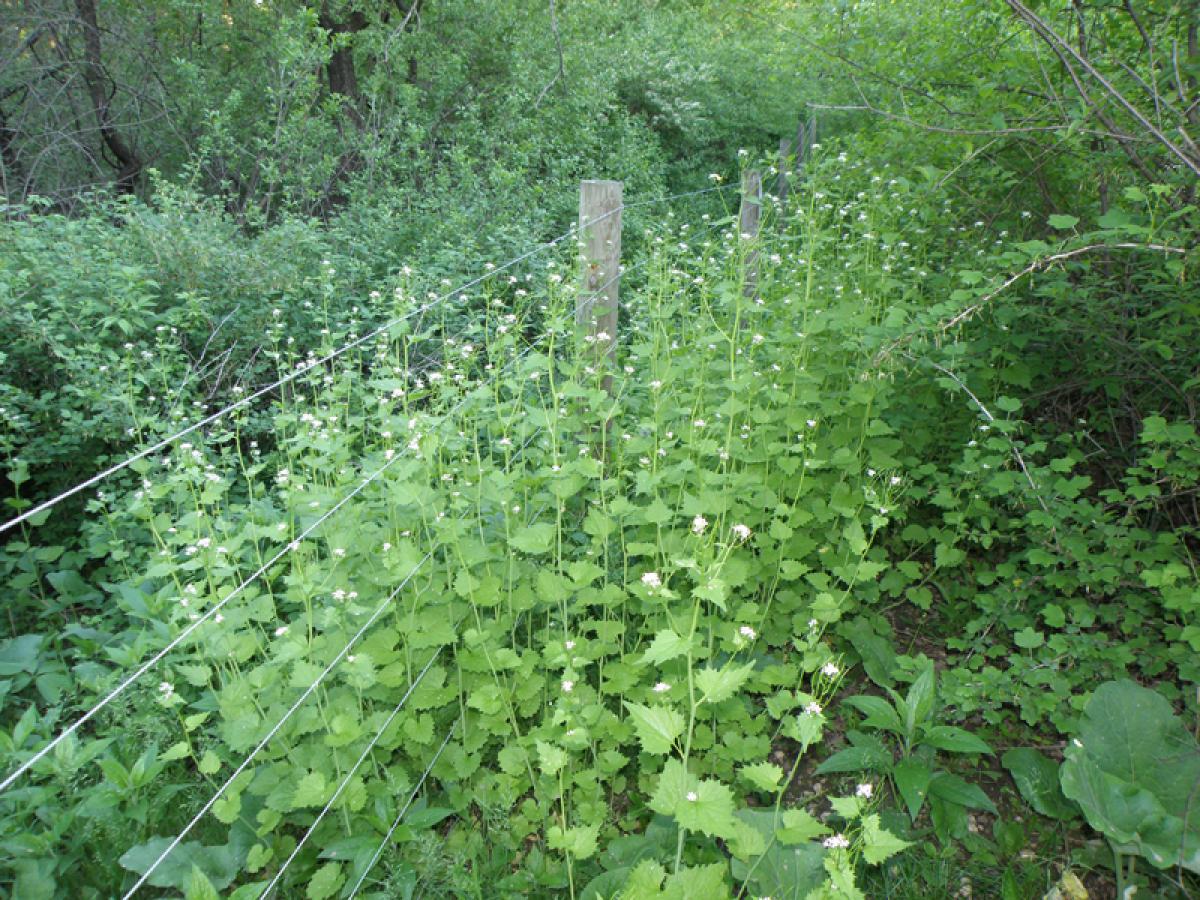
(129, 165)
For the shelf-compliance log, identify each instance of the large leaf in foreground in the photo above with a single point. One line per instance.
(1135, 771)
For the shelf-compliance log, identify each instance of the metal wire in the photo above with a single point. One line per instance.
(396, 824)
(183, 635)
(296, 373)
(379, 610)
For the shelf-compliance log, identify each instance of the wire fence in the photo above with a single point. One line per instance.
(214, 611)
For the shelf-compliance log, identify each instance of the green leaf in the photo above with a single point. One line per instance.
(550, 758)
(718, 685)
(878, 844)
(210, 763)
(1036, 777)
(919, 700)
(657, 513)
(879, 713)
(1063, 222)
(798, 826)
(705, 806)
(790, 872)
(868, 754)
(657, 727)
(954, 740)
(1028, 638)
(579, 842)
(692, 882)
(534, 539)
(878, 655)
(310, 791)
(912, 777)
(1133, 769)
(199, 887)
(953, 789)
(325, 882)
(667, 645)
(765, 776)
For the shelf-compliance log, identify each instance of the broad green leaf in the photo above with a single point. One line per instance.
(210, 763)
(798, 826)
(657, 513)
(1062, 222)
(325, 882)
(954, 740)
(645, 881)
(953, 789)
(667, 645)
(706, 806)
(550, 758)
(780, 871)
(1133, 768)
(765, 776)
(1036, 777)
(912, 777)
(579, 842)
(718, 685)
(657, 727)
(877, 843)
(534, 539)
(693, 882)
(310, 791)
(919, 700)
(199, 887)
(879, 713)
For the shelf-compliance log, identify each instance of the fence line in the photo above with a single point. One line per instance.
(400, 816)
(212, 611)
(306, 365)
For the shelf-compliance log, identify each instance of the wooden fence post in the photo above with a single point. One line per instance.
(748, 219)
(600, 238)
(785, 165)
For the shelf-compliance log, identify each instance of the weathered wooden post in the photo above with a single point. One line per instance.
(600, 245)
(785, 165)
(801, 145)
(748, 219)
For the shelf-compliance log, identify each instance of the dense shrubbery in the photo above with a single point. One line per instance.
(818, 615)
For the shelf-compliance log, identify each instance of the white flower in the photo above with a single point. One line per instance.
(813, 709)
(864, 791)
(339, 594)
(568, 686)
(570, 645)
(837, 842)
(747, 632)
(741, 532)
(387, 545)
(339, 552)
(661, 688)
(699, 423)
(692, 796)
(830, 670)
(166, 689)
(651, 580)
(699, 524)
(757, 339)
(281, 631)
(812, 423)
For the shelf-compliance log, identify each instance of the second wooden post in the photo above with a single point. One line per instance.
(600, 247)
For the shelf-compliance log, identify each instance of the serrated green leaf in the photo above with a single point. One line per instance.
(657, 727)
(878, 844)
(798, 826)
(706, 806)
(534, 539)
(765, 776)
(667, 645)
(579, 842)
(718, 685)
